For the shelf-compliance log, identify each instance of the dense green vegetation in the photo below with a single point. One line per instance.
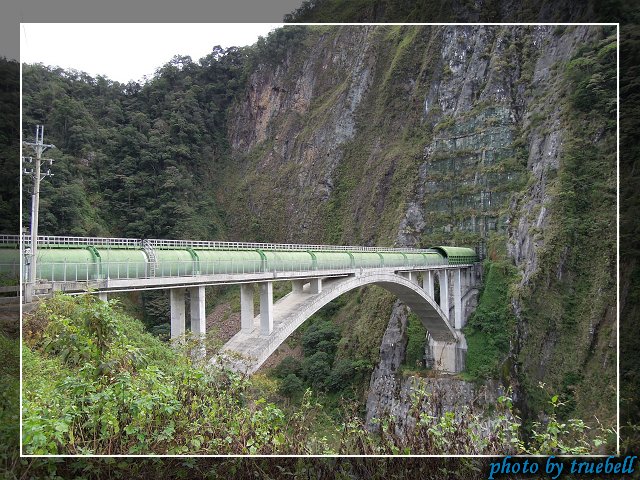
(9, 402)
(416, 343)
(319, 368)
(134, 160)
(95, 382)
(492, 325)
(443, 11)
(9, 146)
(629, 234)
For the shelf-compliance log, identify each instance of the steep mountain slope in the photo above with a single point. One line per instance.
(422, 135)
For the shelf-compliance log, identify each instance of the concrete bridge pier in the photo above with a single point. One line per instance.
(266, 308)
(443, 280)
(246, 307)
(197, 311)
(198, 318)
(176, 303)
(102, 296)
(457, 299)
(315, 286)
(198, 315)
(428, 282)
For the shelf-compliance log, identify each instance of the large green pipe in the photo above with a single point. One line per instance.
(10, 263)
(229, 261)
(67, 264)
(333, 260)
(64, 262)
(121, 263)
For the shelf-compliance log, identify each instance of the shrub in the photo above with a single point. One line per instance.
(95, 383)
(291, 386)
(342, 375)
(289, 365)
(320, 336)
(316, 369)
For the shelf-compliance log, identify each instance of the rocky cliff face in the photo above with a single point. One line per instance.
(419, 135)
(393, 394)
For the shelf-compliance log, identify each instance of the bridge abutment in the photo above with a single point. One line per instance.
(447, 356)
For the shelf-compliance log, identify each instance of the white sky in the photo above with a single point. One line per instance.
(128, 51)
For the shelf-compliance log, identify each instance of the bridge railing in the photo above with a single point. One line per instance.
(4, 239)
(85, 272)
(84, 241)
(157, 243)
(44, 240)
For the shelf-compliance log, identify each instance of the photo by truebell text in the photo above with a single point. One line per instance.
(553, 467)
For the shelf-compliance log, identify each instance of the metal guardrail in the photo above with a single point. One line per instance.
(275, 246)
(44, 240)
(5, 239)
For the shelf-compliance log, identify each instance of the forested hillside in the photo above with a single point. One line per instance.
(9, 147)
(392, 135)
(132, 160)
(451, 11)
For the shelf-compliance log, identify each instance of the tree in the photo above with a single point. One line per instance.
(291, 386)
(316, 369)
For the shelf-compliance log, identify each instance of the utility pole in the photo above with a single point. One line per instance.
(36, 171)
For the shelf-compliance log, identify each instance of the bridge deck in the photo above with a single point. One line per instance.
(123, 285)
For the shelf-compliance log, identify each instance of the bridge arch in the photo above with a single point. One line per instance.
(248, 350)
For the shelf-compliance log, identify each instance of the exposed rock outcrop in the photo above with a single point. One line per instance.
(415, 136)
